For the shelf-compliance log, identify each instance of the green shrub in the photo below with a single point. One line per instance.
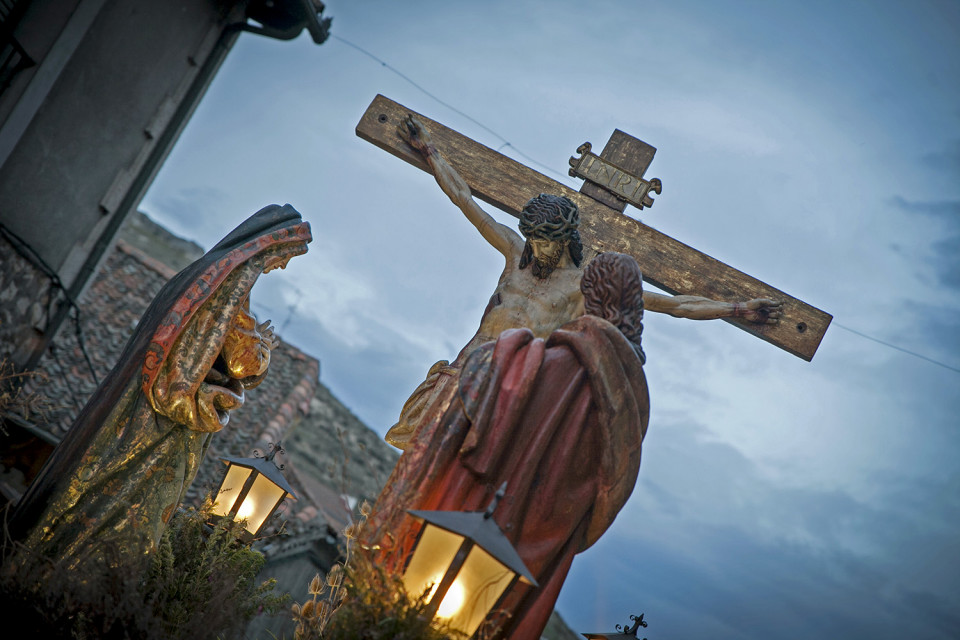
(207, 581)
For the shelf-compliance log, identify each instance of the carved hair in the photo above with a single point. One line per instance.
(612, 288)
(552, 218)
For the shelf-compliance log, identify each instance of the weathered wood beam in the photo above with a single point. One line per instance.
(666, 263)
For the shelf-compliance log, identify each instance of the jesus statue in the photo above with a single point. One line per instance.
(549, 396)
(539, 288)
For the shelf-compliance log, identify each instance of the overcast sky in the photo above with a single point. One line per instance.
(814, 145)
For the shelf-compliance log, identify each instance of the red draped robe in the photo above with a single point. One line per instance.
(561, 421)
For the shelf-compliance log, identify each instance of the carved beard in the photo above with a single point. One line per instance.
(542, 268)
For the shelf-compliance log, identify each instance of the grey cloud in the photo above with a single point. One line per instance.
(946, 208)
(754, 589)
(760, 560)
(746, 588)
(919, 327)
(947, 159)
(194, 213)
(947, 261)
(938, 613)
(372, 380)
(946, 252)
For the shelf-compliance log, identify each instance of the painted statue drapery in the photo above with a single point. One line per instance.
(126, 462)
(561, 421)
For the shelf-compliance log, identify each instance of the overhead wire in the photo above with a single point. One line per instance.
(901, 349)
(23, 248)
(507, 143)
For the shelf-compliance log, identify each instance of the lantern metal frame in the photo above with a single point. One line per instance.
(623, 633)
(476, 529)
(259, 466)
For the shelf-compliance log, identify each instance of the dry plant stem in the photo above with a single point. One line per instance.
(365, 602)
(13, 399)
(313, 616)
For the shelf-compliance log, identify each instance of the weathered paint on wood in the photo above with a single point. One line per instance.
(666, 263)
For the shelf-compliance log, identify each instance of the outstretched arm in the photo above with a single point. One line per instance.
(503, 238)
(758, 310)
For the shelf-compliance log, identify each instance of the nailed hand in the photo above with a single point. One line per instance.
(415, 134)
(762, 311)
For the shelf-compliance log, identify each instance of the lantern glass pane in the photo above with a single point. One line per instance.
(431, 557)
(481, 581)
(259, 503)
(230, 488)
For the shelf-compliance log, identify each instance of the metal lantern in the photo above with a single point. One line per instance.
(251, 490)
(622, 632)
(469, 562)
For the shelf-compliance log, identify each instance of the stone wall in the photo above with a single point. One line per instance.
(27, 301)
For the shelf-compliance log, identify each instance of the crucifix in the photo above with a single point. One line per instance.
(550, 396)
(612, 179)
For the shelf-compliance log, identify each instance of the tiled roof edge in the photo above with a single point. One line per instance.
(297, 399)
(146, 260)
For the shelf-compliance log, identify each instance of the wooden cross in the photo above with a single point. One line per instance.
(665, 262)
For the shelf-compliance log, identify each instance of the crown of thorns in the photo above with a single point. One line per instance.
(550, 217)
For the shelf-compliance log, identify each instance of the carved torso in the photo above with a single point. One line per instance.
(522, 299)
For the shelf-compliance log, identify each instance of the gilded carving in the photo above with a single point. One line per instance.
(127, 461)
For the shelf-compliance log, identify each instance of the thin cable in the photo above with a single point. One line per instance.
(506, 143)
(408, 79)
(28, 252)
(901, 349)
(22, 247)
(536, 162)
(292, 309)
(78, 330)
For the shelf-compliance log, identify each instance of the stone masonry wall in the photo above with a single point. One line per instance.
(26, 298)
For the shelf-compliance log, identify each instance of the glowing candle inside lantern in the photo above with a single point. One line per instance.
(452, 602)
(251, 491)
(247, 509)
(452, 548)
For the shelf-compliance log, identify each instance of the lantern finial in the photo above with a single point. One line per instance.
(623, 632)
(502, 491)
(638, 622)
